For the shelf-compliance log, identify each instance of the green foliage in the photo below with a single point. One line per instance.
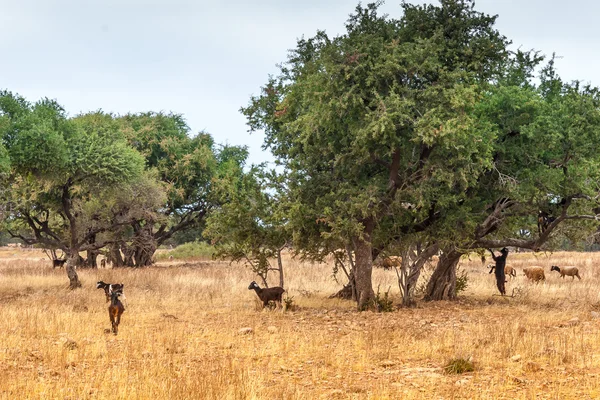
(419, 127)
(289, 304)
(381, 303)
(250, 226)
(462, 281)
(65, 173)
(187, 251)
(381, 117)
(196, 176)
(459, 366)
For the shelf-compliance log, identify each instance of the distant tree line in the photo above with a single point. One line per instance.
(121, 185)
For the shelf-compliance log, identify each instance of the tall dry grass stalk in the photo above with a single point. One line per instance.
(180, 336)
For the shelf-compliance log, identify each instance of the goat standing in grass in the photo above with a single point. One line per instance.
(115, 309)
(268, 294)
(534, 273)
(109, 288)
(568, 271)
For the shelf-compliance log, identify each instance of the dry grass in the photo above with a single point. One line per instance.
(180, 336)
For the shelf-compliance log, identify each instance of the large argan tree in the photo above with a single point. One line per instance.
(378, 121)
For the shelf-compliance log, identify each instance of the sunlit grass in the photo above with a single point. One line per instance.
(180, 336)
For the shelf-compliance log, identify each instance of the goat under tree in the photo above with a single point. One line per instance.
(267, 294)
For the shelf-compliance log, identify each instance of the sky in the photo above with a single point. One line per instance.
(205, 59)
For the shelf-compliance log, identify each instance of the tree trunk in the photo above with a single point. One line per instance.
(144, 256)
(413, 260)
(71, 268)
(142, 249)
(280, 266)
(92, 256)
(128, 252)
(114, 256)
(442, 284)
(364, 268)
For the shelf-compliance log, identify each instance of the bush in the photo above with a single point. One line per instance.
(459, 366)
(462, 281)
(288, 303)
(381, 303)
(187, 251)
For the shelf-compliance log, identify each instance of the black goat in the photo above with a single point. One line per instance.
(58, 263)
(115, 309)
(109, 288)
(268, 294)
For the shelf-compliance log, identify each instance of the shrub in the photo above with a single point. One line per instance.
(188, 250)
(459, 366)
(381, 303)
(462, 281)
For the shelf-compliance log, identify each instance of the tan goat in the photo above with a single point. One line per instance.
(535, 273)
(568, 271)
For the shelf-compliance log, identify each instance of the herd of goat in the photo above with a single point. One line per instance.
(536, 273)
(113, 291)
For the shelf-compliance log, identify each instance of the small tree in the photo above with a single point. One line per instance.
(193, 171)
(250, 227)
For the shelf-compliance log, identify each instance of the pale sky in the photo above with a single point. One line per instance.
(204, 59)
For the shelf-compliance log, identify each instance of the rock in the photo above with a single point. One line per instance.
(246, 331)
(272, 329)
(516, 358)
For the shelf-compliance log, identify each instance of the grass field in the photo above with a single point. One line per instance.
(182, 336)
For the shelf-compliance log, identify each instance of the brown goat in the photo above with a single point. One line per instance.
(115, 310)
(268, 294)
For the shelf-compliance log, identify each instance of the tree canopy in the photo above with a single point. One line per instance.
(424, 128)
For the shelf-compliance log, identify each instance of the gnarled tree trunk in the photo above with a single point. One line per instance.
(144, 247)
(364, 268)
(442, 284)
(91, 261)
(413, 260)
(114, 256)
(71, 268)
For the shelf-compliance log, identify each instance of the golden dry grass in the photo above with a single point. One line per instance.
(180, 336)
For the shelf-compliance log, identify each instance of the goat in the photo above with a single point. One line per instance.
(115, 309)
(109, 288)
(569, 271)
(508, 270)
(499, 270)
(58, 263)
(391, 262)
(534, 273)
(268, 294)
